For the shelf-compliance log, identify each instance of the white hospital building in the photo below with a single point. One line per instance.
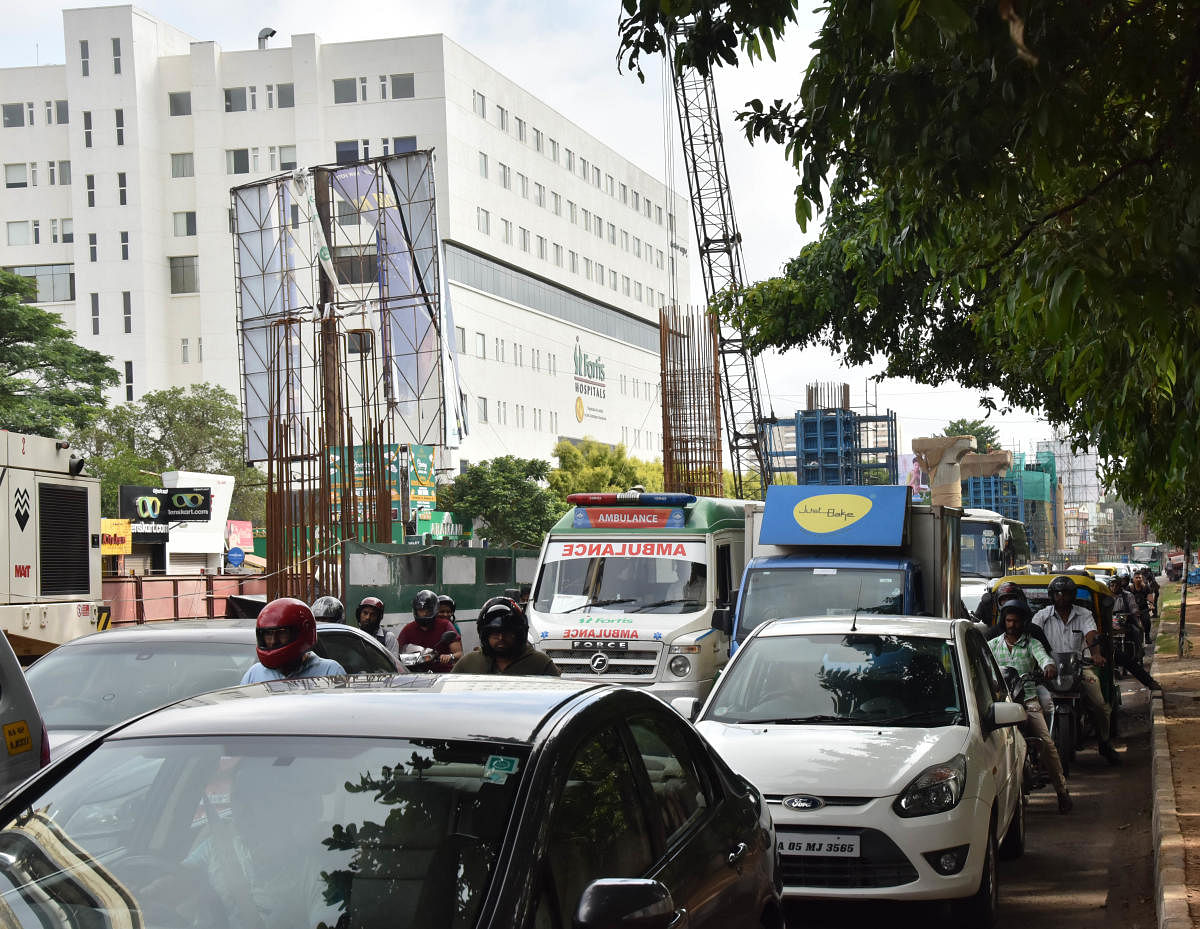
(117, 171)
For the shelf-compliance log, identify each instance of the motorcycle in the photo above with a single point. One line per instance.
(1033, 775)
(418, 658)
(1126, 643)
(1068, 717)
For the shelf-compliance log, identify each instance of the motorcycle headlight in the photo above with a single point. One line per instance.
(935, 790)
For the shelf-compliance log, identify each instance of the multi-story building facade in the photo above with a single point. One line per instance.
(558, 251)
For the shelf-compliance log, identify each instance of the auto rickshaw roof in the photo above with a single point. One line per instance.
(1082, 581)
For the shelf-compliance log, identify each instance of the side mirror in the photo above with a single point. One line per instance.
(722, 620)
(687, 707)
(1000, 715)
(614, 903)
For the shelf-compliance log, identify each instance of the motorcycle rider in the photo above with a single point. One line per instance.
(1021, 651)
(369, 614)
(445, 610)
(286, 634)
(328, 610)
(1006, 591)
(1125, 601)
(1141, 592)
(427, 630)
(1060, 621)
(1152, 583)
(504, 643)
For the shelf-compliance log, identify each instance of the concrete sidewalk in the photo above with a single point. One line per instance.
(1175, 736)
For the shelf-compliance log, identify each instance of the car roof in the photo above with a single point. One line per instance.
(921, 626)
(190, 630)
(443, 706)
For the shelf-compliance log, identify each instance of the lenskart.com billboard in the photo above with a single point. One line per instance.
(166, 504)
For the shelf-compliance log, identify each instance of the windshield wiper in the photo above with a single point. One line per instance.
(647, 606)
(600, 603)
(892, 720)
(799, 720)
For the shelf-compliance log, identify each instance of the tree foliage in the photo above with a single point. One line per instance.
(987, 437)
(1012, 201)
(49, 384)
(507, 494)
(194, 429)
(596, 467)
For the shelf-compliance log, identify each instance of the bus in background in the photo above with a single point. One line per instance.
(992, 546)
(1150, 554)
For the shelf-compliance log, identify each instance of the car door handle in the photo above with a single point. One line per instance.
(737, 854)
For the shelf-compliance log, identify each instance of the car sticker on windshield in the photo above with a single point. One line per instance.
(17, 738)
(824, 570)
(499, 767)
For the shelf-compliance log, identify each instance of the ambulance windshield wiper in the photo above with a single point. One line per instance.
(600, 603)
(650, 606)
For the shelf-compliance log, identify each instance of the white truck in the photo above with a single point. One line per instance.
(636, 588)
(49, 544)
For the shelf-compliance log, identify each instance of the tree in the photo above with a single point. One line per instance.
(987, 438)
(507, 494)
(198, 428)
(49, 384)
(1011, 202)
(595, 467)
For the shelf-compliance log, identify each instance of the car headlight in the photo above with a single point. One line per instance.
(936, 789)
(680, 666)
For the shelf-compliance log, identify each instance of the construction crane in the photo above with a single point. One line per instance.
(720, 247)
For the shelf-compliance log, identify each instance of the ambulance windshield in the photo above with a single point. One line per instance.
(623, 578)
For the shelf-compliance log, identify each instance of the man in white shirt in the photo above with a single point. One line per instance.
(1071, 628)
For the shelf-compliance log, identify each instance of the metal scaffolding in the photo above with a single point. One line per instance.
(691, 402)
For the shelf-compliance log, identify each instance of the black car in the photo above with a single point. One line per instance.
(98, 680)
(410, 801)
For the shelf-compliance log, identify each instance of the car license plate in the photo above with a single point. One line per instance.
(821, 845)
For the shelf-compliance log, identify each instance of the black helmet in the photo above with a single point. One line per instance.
(1011, 589)
(424, 607)
(501, 614)
(1020, 604)
(443, 600)
(328, 610)
(1062, 584)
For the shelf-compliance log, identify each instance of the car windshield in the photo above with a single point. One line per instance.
(274, 833)
(780, 593)
(636, 583)
(980, 544)
(839, 679)
(96, 686)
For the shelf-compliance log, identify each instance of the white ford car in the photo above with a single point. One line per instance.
(885, 747)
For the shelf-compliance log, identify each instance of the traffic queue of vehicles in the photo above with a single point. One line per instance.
(600, 802)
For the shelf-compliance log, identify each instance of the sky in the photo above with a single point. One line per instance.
(565, 53)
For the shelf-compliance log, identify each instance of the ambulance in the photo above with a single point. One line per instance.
(636, 588)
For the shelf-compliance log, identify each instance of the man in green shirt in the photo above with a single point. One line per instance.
(1019, 650)
(504, 644)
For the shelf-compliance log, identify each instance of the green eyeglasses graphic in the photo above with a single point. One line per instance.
(191, 501)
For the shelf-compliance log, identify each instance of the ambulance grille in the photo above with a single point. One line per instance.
(636, 664)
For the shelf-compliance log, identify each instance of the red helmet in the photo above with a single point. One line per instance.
(289, 614)
(369, 601)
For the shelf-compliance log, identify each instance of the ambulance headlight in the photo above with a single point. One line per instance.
(680, 666)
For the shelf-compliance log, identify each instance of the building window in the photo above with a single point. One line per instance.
(345, 90)
(50, 170)
(612, 279)
(572, 212)
(346, 152)
(609, 184)
(68, 231)
(18, 232)
(402, 87)
(93, 248)
(612, 234)
(483, 220)
(541, 247)
(285, 97)
(479, 106)
(537, 140)
(116, 47)
(362, 88)
(129, 381)
(483, 409)
(61, 112)
(520, 128)
(185, 223)
(483, 164)
(14, 115)
(539, 195)
(570, 161)
(87, 130)
(124, 246)
(237, 161)
(16, 175)
(523, 185)
(502, 118)
(598, 226)
(404, 143)
(235, 99)
(287, 157)
(507, 228)
(182, 164)
(122, 189)
(556, 199)
(95, 314)
(64, 172)
(574, 268)
(185, 274)
(554, 151)
(500, 350)
(461, 339)
(558, 255)
(505, 175)
(480, 345)
(183, 351)
(253, 97)
(180, 103)
(524, 235)
(127, 309)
